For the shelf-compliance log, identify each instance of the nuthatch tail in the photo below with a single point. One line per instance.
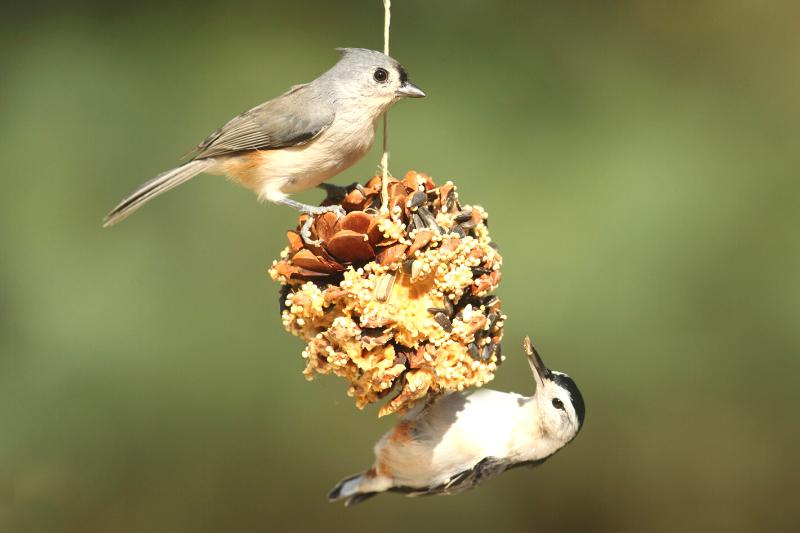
(462, 440)
(298, 140)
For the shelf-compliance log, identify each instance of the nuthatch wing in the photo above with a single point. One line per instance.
(462, 440)
(298, 140)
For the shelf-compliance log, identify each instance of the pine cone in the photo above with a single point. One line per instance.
(399, 299)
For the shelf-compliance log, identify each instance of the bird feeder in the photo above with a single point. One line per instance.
(396, 296)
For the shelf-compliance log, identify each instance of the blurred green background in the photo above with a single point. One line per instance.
(638, 159)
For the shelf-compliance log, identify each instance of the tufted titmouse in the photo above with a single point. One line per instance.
(297, 140)
(462, 440)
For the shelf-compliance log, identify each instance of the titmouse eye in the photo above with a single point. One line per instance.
(558, 404)
(381, 75)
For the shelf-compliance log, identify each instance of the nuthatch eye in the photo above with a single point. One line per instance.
(461, 440)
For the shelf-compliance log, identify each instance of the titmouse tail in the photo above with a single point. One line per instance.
(349, 490)
(158, 185)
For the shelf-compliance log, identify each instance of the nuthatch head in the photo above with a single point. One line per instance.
(558, 400)
(461, 440)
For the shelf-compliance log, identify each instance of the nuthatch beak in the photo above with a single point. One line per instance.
(540, 371)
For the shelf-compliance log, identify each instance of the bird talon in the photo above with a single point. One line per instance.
(305, 231)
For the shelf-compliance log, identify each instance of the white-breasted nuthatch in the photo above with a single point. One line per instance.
(461, 440)
(298, 140)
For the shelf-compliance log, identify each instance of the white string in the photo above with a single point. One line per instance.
(387, 18)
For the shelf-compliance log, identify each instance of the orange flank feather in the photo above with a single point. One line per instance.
(245, 168)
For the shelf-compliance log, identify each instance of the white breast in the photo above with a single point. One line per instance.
(456, 433)
(291, 170)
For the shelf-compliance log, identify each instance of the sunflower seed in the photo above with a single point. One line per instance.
(407, 266)
(450, 202)
(463, 216)
(384, 288)
(480, 271)
(416, 200)
(468, 225)
(492, 320)
(443, 321)
(448, 307)
(429, 219)
(459, 231)
(490, 301)
(494, 246)
(488, 351)
(473, 351)
(434, 310)
(282, 295)
(417, 221)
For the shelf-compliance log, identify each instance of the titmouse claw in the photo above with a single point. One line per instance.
(311, 211)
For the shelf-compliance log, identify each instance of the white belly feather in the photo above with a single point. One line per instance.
(291, 170)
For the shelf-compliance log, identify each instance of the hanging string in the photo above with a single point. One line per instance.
(387, 18)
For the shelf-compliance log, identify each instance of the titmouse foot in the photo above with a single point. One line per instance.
(311, 211)
(337, 193)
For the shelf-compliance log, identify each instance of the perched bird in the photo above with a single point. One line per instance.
(462, 440)
(298, 140)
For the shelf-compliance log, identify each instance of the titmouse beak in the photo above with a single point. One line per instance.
(409, 90)
(540, 372)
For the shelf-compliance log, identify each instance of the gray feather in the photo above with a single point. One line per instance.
(292, 119)
(156, 186)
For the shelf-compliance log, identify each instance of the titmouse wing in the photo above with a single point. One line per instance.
(294, 118)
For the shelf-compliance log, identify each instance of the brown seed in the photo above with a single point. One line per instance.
(421, 240)
(408, 266)
(434, 310)
(443, 321)
(392, 254)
